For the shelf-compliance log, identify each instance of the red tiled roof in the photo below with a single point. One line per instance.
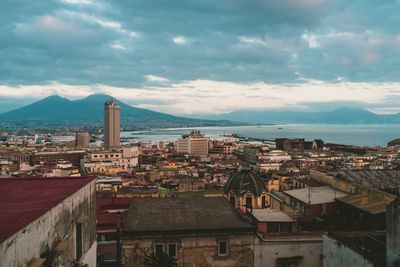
(23, 200)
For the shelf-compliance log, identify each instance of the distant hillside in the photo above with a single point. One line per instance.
(337, 116)
(57, 110)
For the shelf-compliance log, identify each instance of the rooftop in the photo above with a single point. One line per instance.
(23, 200)
(280, 196)
(374, 202)
(269, 215)
(197, 214)
(138, 190)
(316, 195)
(385, 180)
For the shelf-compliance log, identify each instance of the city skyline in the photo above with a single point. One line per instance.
(307, 55)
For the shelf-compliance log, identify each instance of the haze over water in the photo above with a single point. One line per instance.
(360, 134)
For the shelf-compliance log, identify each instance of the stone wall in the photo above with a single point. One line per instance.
(195, 250)
(307, 248)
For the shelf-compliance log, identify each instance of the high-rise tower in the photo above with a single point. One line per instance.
(111, 125)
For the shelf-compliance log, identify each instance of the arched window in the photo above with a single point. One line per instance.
(248, 202)
(263, 201)
(232, 200)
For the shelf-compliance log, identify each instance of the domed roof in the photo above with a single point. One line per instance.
(245, 181)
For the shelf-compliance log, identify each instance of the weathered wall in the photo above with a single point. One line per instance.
(195, 251)
(336, 254)
(393, 233)
(340, 184)
(267, 251)
(41, 237)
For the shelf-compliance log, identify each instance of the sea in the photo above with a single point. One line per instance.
(349, 134)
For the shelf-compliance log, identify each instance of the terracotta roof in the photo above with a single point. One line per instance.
(23, 200)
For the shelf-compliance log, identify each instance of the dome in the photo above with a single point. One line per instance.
(245, 181)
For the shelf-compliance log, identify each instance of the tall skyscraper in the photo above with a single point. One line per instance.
(111, 125)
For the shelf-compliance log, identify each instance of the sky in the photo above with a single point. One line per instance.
(189, 57)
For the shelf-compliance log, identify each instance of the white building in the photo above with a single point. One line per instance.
(109, 162)
(194, 144)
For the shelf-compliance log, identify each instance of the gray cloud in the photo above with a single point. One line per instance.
(119, 43)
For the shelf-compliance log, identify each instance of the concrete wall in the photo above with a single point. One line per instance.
(195, 251)
(41, 237)
(268, 250)
(336, 254)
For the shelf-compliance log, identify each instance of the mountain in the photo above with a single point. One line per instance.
(343, 115)
(58, 111)
(55, 110)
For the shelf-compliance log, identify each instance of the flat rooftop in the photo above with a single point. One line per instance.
(270, 215)
(155, 215)
(316, 195)
(23, 200)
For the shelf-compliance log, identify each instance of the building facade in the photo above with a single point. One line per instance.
(48, 222)
(194, 144)
(183, 229)
(111, 125)
(111, 162)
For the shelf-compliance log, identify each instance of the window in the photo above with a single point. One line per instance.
(232, 200)
(287, 264)
(248, 202)
(222, 248)
(172, 252)
(272, 227)
(286, 227)
(158, 249)
(78, 240)
(263, 202)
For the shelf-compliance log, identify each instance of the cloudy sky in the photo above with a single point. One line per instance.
(203, 56)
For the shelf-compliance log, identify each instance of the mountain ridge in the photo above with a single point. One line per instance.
(341, 115)
(89, 110)
(55, 109)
